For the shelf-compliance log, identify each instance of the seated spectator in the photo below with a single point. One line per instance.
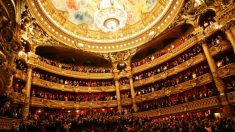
(72, 67)
(71, 81)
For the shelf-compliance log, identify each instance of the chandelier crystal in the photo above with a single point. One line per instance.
(111, 16)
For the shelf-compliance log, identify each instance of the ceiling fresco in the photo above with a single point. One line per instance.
(104, 25)
(82, 11)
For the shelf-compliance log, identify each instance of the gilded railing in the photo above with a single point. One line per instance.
(18, 98)
(201, 80)
(21, 75)
(126, 101)
(57, 86)
(228, 70)
(231, 97)
(186, 45)
(225, 16)
(34, 60)
(39, 102)
(211, 102)
(7, 123)
(193, 61)
(183, 66)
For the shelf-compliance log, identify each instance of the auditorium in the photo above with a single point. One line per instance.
(117, 65)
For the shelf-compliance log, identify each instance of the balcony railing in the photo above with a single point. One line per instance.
(225, 16)
(56, 86)
(207, 103)
(126, 101)
(186, 45)
(34, 60)
(39, 102)
(201, 80)
(226, 71)
(7, 123)
(183, 66)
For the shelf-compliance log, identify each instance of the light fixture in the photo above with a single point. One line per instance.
(111, 16)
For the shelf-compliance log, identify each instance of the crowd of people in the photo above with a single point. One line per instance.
(179, 98)
(224, 61)
(188, 54)
(216, 40)
(115, 122)
(11, 111)
(184, 76)
(123, 81)
(71, 81)
(20, 65)
(72, 67)
(18, 85)
(230, 84)
(208, 21)
(72, 96)
(157, 54)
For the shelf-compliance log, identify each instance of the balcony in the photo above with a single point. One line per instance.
(57, 86)
(225, 16)
(35, 61)
(7, 123)
(207, 103)
(186, 45)
(201, 80)
(39, 102)
(183, 66)
(226, 71)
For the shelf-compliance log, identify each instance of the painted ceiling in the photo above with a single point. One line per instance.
(72, 22)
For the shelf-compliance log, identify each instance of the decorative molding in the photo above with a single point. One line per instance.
(226, 71)
(39, 102)
(186, 45)
(7, 123)
(201, 80)
(36, 62)
(207, 103)
(61, 87)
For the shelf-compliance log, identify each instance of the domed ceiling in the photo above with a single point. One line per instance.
(104, 25)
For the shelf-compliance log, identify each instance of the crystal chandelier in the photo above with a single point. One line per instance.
(111, 16)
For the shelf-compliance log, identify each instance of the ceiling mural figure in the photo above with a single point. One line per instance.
(83, 11)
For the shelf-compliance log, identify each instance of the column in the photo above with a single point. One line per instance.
(231, 38)
(129, 75)
(133, 95)
(117, 86)
(218, 82)
(27, 93)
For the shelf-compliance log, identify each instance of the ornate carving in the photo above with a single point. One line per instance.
(226, 71)
(71, 104)
(189, 13)
(211, 102)
(122, 56)
(33, 33)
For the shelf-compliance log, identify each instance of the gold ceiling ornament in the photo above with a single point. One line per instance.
(111, 16)
(145, 21)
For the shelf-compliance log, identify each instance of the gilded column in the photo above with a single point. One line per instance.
(129, 75)
(218, 82)
(231, 38)
(117, 86)
(27, 93)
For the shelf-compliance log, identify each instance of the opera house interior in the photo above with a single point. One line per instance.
(117, 65)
